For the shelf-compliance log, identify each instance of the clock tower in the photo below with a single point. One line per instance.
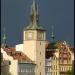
(34, 41)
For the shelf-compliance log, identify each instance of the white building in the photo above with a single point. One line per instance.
(8, 64)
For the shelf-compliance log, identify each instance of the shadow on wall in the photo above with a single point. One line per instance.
(5, 65)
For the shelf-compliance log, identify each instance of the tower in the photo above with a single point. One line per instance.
(34, 41)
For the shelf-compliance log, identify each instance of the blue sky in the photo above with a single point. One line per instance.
(15, 15)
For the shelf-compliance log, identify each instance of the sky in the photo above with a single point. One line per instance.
(15, 15)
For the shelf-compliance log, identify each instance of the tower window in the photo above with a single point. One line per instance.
(40, 43)
(40, 53)
(40, 63)
(56, 73)
(40, 73)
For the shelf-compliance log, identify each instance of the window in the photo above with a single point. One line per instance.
(40, 43)
(30, 35)
(65, 61)
(69, 68)
(21, 70)
(61, 68)
(40, 63)
(48, 69)
(40, 73)
(48, 63)
(47, 73)
(56, 67)
(9, 62)
(26, 69)
(40, 53)
(56, 73)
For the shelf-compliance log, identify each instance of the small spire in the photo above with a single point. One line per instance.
(52, 33)
(4, 44)
(4, 37)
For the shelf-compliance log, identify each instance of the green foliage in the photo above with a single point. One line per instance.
(9, 73)
(70, 72)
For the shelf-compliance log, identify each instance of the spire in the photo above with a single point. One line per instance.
(34, 12)
(34, 16)
(52, 34)
(4, 37)
(4, 44)
(53, 42)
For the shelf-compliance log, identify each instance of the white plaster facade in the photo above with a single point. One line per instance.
(19, 47)
(5, 67)
(48, 66)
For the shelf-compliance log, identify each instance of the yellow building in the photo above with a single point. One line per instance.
(65, 59)
(55, 65)
(53, 57)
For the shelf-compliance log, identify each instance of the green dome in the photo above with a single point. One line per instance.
(53, 45)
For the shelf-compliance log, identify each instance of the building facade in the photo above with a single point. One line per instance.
(61, 59)
(48, 66)
(65, 59)
(8, 64)
(26, 68)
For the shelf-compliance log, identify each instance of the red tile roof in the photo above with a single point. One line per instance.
(17, 55)
(9, 49)
(50, 52)
(20, 56)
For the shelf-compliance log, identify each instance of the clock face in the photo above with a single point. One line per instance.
(30, 35)
(40, 36)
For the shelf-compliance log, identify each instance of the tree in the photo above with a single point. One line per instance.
(70, 72)
(9, 73)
